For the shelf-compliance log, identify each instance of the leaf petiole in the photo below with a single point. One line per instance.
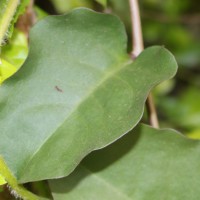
(16, 189)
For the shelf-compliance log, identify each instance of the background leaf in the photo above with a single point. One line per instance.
(6, 70)
(13, 55)
(145, 164)
(77, 91)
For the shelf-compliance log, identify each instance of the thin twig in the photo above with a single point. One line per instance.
(151, 109)
(137, 40)
(138, 46)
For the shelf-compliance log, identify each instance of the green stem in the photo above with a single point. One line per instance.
(7, 16)
(138, 47)
(16, 190)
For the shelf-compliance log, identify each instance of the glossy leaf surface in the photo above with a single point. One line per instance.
(146, 164)
(78, 91)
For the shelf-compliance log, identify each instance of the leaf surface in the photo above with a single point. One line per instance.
(13, 55)
(146, 164)
(77, 91)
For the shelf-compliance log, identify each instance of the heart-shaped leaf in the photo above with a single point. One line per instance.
(146, 164)
(77, 91)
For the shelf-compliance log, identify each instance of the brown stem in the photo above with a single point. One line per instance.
(27, 20)
(151, 109)
(138, 46)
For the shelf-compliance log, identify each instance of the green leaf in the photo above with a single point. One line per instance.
(78, 91)
(13, 55)
(146, 164)
(6, 70)
(16, 51)
(2, 180)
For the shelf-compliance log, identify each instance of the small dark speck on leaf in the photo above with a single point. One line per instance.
(58, 89)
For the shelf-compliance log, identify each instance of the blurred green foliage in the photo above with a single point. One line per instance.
(62, 6)
(176, 25)
(13, 55)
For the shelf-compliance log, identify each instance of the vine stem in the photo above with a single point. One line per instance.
(7, 17)
(138, 46)
(16, 189)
